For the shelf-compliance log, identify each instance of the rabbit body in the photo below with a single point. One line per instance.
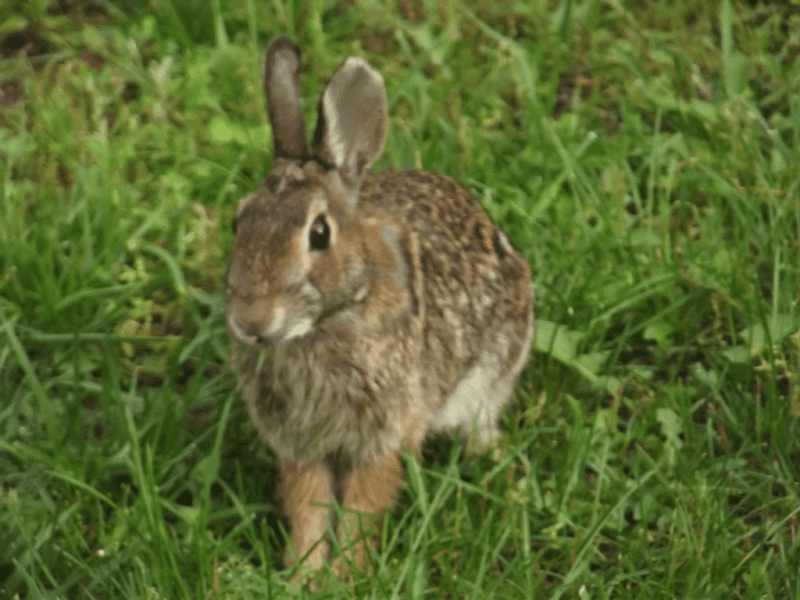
(382, 369)
(364, 309)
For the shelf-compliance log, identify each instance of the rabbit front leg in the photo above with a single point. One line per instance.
(368, 490)
(306, 492)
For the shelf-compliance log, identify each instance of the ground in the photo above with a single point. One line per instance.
(644, 158)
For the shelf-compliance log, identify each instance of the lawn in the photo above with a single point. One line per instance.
(643, 156)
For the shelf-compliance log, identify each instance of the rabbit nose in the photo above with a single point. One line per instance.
(242, 329)
(245, 318)
(254, 320)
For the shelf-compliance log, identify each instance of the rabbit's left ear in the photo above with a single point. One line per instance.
(281, 69)
(353, 120)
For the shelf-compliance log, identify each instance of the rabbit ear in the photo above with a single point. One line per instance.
(353, 120)
(281, 68)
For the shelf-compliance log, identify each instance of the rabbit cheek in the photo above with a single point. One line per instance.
(325, 272)
(390, 296)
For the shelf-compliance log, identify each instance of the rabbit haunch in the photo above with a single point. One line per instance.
(364, 309)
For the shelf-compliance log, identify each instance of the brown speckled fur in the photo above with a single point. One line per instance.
(414, 307)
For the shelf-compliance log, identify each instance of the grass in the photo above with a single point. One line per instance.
(646, 161)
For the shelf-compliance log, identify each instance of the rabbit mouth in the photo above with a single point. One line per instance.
(278, 329)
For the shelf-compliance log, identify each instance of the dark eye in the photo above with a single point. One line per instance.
(319, 234)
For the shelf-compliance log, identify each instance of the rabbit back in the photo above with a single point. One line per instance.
(472, 294)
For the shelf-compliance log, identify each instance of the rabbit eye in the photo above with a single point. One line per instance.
(320, 233)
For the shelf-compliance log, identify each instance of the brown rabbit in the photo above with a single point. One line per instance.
(365, 310)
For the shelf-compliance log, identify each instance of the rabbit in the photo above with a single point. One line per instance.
(365, 310)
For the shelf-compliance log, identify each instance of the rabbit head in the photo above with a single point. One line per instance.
(301, 256)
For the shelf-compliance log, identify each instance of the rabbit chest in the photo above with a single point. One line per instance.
(312, 397)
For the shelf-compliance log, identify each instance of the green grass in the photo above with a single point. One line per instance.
(646, 160)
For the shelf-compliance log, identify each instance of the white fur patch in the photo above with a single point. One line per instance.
(336, 143)
(473, 402)
(480, 396)
(276, 322)
(299, 329)
(281, 321)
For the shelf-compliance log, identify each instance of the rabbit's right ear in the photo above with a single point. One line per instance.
(281, 69)
(353, 120)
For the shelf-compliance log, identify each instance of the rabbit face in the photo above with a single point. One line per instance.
(293, 266)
